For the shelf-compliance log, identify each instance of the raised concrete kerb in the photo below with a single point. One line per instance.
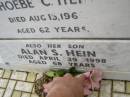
(116, 75)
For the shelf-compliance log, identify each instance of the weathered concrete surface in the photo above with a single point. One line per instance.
(73, 19)
(113, 57)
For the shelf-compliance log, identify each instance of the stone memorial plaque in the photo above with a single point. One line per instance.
(113, 57)
(64, 18)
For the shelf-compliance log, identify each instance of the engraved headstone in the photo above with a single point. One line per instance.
(28, 26)
(64, 18)
(112, 57)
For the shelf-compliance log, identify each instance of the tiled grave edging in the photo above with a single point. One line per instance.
(16, 86)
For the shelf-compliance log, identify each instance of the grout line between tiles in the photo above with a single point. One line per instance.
(112, 88)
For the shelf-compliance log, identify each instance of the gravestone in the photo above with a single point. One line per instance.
(64, 18)
(36, 35)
